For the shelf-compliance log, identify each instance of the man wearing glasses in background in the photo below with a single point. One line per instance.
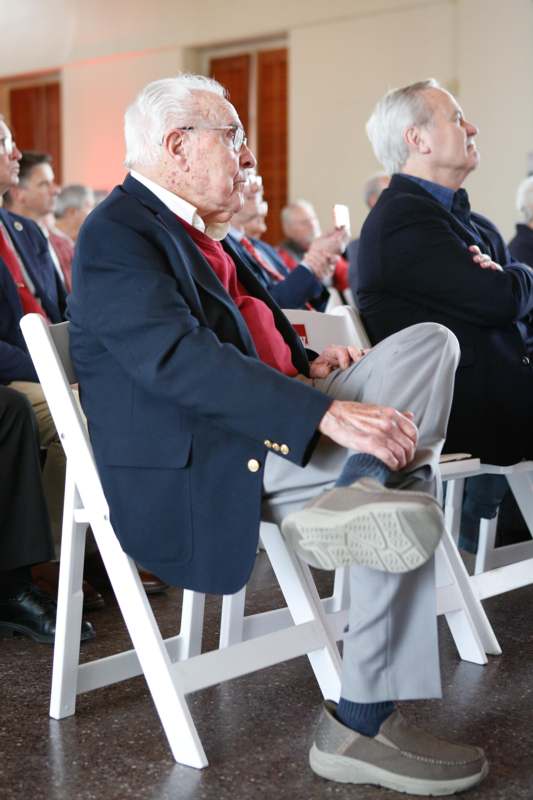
(204, 412)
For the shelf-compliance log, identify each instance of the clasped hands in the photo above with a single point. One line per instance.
(324, 252)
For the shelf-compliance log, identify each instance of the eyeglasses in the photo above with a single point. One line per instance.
(238, 139)
(7, 144)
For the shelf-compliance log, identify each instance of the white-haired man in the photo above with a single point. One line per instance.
(521, 245)
(189, 378)
(301, 229)
(425, 257)
(72, 205)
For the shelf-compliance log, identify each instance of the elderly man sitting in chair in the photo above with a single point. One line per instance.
(205, 412)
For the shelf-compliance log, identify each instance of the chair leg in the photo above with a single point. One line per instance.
(486, 544)
(232, 618)
(468, 622)
(301, 596)
(521, 484)
(192, 623)
(156, 665)
(69, 607)
(453, 506)
(340, 599)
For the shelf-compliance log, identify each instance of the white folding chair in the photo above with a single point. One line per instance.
(173, 667)
(456, 598)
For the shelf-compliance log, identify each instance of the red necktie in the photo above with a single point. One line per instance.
(272, 271)
(30, 304)
(246, 243)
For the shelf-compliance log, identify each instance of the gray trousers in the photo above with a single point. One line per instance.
(390, 647)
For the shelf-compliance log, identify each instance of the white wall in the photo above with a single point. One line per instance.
(343, 55)
(94, 98)
(338, 71)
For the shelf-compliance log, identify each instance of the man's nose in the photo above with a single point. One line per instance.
(247, 159)
(471, 129)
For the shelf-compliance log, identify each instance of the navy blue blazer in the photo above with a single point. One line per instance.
(414, 266)
(15, 361)
(300, 285)
(178, 404)
(521, 245)
(32, 247)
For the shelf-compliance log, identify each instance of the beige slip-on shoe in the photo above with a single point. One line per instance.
(391, 530)
(400, 757)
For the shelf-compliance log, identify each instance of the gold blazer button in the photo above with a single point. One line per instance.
(284, 449)
(253, 465)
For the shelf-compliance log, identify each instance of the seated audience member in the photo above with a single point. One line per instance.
(28, 284)
(521, 246)
(227, 420)
(372, 190)
(25, 537)
(34, 196)
(301, 228)
(298, 288)
(73, 204)
(424, 256)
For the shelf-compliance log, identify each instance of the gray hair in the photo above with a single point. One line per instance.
(524, 199)
(373, 186)
(286, 211)
(159, 107)
(394, 113)
(73, 196)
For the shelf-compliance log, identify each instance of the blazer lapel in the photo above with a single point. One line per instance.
(199, 268)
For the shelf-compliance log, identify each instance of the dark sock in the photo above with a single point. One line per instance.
(362, 465)
(365, 718)
(13, 581)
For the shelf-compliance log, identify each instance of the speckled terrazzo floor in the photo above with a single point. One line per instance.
(255, 730)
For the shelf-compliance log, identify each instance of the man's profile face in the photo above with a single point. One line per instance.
(38, 191)
(216, 175)
(9, 160)
(449, 135)
(303, 227)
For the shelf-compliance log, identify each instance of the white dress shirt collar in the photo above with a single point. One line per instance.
(182, 208)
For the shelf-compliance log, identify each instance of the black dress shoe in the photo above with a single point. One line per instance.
(33, 613)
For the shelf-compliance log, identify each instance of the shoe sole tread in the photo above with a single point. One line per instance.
(380, 535)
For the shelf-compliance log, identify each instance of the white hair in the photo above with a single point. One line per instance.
(524, 199)
(159, 107)
(286, 211)
(398, 110)
(373, 186)
(73, 196)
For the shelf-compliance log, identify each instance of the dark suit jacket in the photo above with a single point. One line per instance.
(521, 245)
(414, 266)
(177, 401)
(32, 248)
(300, 285)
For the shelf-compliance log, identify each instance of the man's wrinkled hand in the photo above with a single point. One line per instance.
(335, 356)
(381, 431)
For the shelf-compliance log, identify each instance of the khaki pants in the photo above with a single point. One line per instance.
(54, 468)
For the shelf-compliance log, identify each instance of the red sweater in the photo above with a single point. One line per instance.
(269, 343)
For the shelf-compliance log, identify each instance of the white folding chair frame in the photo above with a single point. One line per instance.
(456, 598)
(175, 667)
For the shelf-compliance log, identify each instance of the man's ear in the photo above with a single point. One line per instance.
(174, 143)
(416, 140)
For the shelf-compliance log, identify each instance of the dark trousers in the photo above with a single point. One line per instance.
(25, 536)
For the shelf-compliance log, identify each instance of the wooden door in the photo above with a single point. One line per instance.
(35, 116)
